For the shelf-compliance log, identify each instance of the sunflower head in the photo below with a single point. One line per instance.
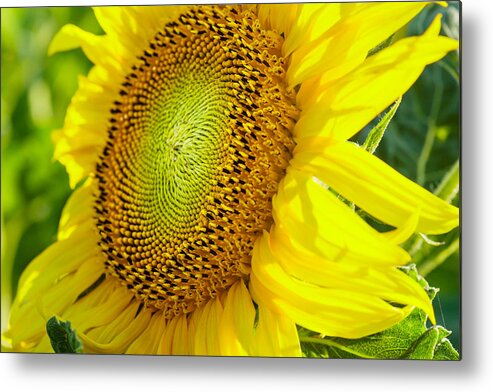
(207, 138)
(197, 144)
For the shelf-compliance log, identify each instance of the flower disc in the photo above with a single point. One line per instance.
(197, 143)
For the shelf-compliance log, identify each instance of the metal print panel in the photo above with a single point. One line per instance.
(275, 180)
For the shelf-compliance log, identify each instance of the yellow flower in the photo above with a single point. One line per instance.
(205, 139)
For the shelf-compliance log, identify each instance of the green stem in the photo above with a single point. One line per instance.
(432, 130)
(446, 190)
(439, 259)
(449, 186)
(331, 343)
(451, 71)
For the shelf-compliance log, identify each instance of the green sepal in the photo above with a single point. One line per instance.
(376, 134)
(382, 45)
(62, 337)
(409, 339)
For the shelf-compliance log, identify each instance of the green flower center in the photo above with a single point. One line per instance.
(197, 144)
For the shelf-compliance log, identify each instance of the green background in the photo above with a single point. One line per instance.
(422, 141)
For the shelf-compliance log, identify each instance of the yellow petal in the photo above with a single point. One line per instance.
(315, 217)
(79, 162)
(333, 312)
(60, 259)
(175, 340)
(44, 346)
(85, 317)
(213, 328)
(308, 218)
(147, 343)
(77, 211)
(181, 338)
(67, 290)
(303, 262)
(146, 20)
(193, 329)
(402, 233)
(346, 44)
(207, 331)
(312, 20)
(278, 17)
(237, 324)
(81, 141)
(95, 47)
(276, 335)
(131, 26)
(69, 37)
(119, 344)
(107, 333)
(344, 106)
(375, 186)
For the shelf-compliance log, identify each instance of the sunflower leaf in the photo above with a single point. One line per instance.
(62, 337)
(409, 339)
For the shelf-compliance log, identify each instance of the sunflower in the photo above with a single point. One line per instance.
(208, 149)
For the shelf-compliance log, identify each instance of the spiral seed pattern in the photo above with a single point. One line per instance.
(198, 141)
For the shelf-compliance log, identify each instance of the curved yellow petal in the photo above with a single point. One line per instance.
(207, 332)
(403, 232)
(44, 346)
(165, 346)
(237, 323)
(127, 333)
(303, 262)
(278, 17)
(79, 143)
(193, 328)
(338, 109)
(175, 340)
(375, 186)
(108, 332)
(364, 26)
(60, 259)
(146, 20)
(69, 37)
(331, 311)
(276, 335)
(314, 217)
(87, 314)
(301, 242)
(181, 338)
(312, 20)
(95, 47)
(133, 25)
(78, 211)
(148, 341)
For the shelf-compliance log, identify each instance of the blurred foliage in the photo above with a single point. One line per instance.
(36, 90)
(422, 142)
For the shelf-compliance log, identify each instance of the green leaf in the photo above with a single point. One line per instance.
(376, 134)
(428, 343)
(62, 337)
(409, 339)
(444, 351)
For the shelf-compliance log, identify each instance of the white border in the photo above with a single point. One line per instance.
(473, 373)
